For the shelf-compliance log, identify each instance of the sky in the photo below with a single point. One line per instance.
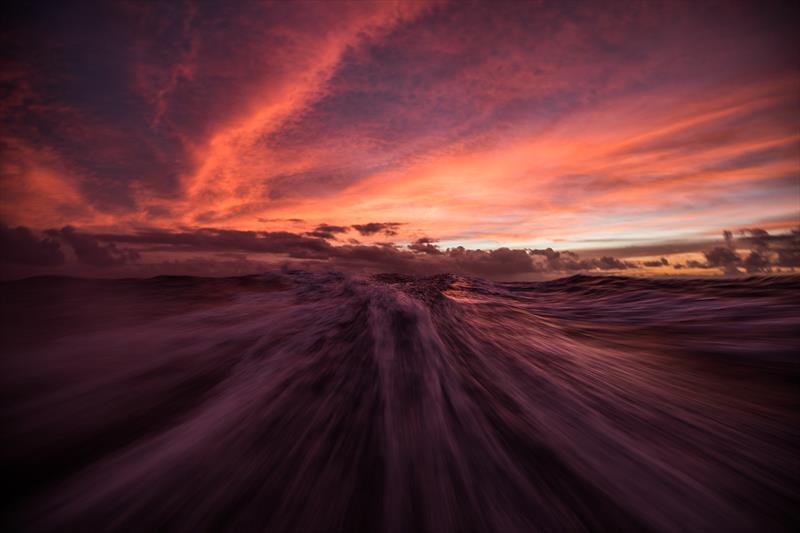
(221, 138)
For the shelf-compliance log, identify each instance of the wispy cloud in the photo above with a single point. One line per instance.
(551, 122)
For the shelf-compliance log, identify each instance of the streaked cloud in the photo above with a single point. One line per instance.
(518, 126)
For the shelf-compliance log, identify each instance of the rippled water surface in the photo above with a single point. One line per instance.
(309, 402)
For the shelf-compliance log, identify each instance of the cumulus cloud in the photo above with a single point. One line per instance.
(332, 229)
(494, 262)
(728, 236)
(661, 262)
(756, 262)
(555, 260)
(789, 257)
(387, 228)
(724, 257)
(566, 261)
(90, 252)
(789, 253)
(766, 252)
(21, 246)
(327, 231)
(422, 256)
(610, 263)
(425, 245)
(759, 238)
(322, 235)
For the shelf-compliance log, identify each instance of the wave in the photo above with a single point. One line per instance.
(295, 401)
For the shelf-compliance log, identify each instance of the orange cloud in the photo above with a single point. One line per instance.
(483, 126)
(589, 168)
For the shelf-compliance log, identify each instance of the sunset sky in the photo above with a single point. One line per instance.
(140, 136)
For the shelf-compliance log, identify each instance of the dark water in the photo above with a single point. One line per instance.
(307, 402)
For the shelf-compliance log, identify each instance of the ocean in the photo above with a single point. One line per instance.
(297, 401)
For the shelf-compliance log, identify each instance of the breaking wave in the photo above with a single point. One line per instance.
(323, 402)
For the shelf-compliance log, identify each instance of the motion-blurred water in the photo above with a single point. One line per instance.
(309, 402)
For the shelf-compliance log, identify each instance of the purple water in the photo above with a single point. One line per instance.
(311, 402)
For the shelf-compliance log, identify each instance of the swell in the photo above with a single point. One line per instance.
(303, 402)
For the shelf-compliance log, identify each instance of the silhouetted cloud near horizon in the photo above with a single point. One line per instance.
(387, 228)
(332, 229)
(766, 252)
(570, 261)
(214, 240)
(90, 252)
(661, 262)
(724, 258)
(20, 246)
(425, 245)
(128, 252)
(327, 231)
(756, 262)
(422, 257)
(328, 236)
(494, 262)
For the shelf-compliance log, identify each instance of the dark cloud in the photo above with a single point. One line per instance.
(21, 246)
(559, 261)
(566, 261)
(766, 252)
(90, 252)
(724, 257)
(610, 263)
(756, 262)
(389, 258)
(789, 255)
(292, 220)
(691, 263)
(761, 240)
(422, 256)
(215, 240)
(322, 235)
(756, 233)
(327, 231)
(425, 245)
(387, 228)
(332, 229)
(661, 262)
(501, 261)
(728, 236)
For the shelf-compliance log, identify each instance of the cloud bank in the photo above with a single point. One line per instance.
(214, 251)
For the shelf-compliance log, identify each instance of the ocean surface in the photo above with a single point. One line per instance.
(324, 402)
